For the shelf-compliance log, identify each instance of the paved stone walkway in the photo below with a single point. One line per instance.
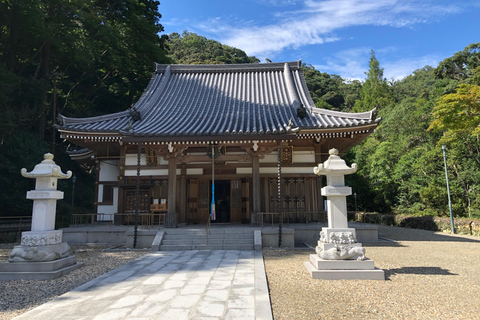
(210, 284)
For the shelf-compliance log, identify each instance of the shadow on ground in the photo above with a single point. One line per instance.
(418, 270)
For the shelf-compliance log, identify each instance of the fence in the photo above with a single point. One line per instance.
(11, 227)
(110, 219)
(293, 217)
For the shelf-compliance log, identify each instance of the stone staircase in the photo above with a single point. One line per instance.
(218, 239)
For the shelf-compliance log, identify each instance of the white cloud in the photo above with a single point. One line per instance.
(353, 64)
(349, 64)
(399, 69)
(316, 21)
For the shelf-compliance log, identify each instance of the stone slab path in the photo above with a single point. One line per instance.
(210, 284)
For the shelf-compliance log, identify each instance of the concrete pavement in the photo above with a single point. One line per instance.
(209, 284)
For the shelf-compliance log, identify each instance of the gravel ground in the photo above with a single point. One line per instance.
(428, 276)
(19, 296)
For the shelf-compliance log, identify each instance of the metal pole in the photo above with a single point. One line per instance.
(448, 189)
(213, 213)
(55, 75)
(355, 197)
(74, 179)
(279, 194)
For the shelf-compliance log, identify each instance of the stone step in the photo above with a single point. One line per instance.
(175, 247)
(239, 247)
(220, 241)
(212, 231)
(235, 239)
(208, 247)
(178, 236)
(211, 236)
(177, 242)
(209, 239)
(205, 247)
(238, 240)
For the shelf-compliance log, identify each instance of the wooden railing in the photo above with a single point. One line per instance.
(20, 223)
(90, 219)
(293, 216)
(11, 227)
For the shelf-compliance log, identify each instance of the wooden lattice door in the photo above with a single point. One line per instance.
(236, 201)
(245, 200)
(193, 202)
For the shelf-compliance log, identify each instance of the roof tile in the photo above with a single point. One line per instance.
(198, 100)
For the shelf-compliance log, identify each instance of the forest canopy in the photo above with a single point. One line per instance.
(98, 55)
(190, 48)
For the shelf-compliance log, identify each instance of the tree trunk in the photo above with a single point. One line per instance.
(42, 72)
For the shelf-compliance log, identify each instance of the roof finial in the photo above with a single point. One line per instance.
(135, 114)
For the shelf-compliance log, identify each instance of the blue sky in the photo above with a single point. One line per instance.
(335, 36)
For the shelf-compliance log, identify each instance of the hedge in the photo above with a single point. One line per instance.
(462, 225)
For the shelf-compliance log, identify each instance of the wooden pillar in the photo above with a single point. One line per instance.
(319, 158)
(317, 147)
(266, 184)
(97, 179)
(256, 187)
(121, 185)
(183, 193)
(171, 218)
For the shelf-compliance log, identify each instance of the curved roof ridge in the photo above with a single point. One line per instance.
(304, 90)
(175, 68)
(110, 116)
(368, 115)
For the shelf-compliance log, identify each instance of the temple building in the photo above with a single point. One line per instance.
(235, 124)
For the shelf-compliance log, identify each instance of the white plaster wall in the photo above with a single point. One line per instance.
(298, 157)
(108, 171)
(270, 158)
(194, 171)
(100, 192)
(107, 209)
(150, 172)
(161, 172)
(162, 161)
(131, 160)
(304, 157)
(274, 170)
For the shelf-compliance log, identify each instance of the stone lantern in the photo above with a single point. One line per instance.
(338, 254)
(42, 254)
(336, 192)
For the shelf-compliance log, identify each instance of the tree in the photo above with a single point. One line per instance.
(461, 64)
(375, 91)
(190, 48)
(458, 113)
(325, 89)
(103, 52)
(351, 92)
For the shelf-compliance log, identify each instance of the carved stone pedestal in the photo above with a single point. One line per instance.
(39, 253)
(343, 269)
(38, 270)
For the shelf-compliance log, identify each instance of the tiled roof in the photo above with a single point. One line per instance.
(218, 100)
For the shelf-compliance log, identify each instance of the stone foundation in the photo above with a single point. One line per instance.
(39, 253)
(38, 270)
